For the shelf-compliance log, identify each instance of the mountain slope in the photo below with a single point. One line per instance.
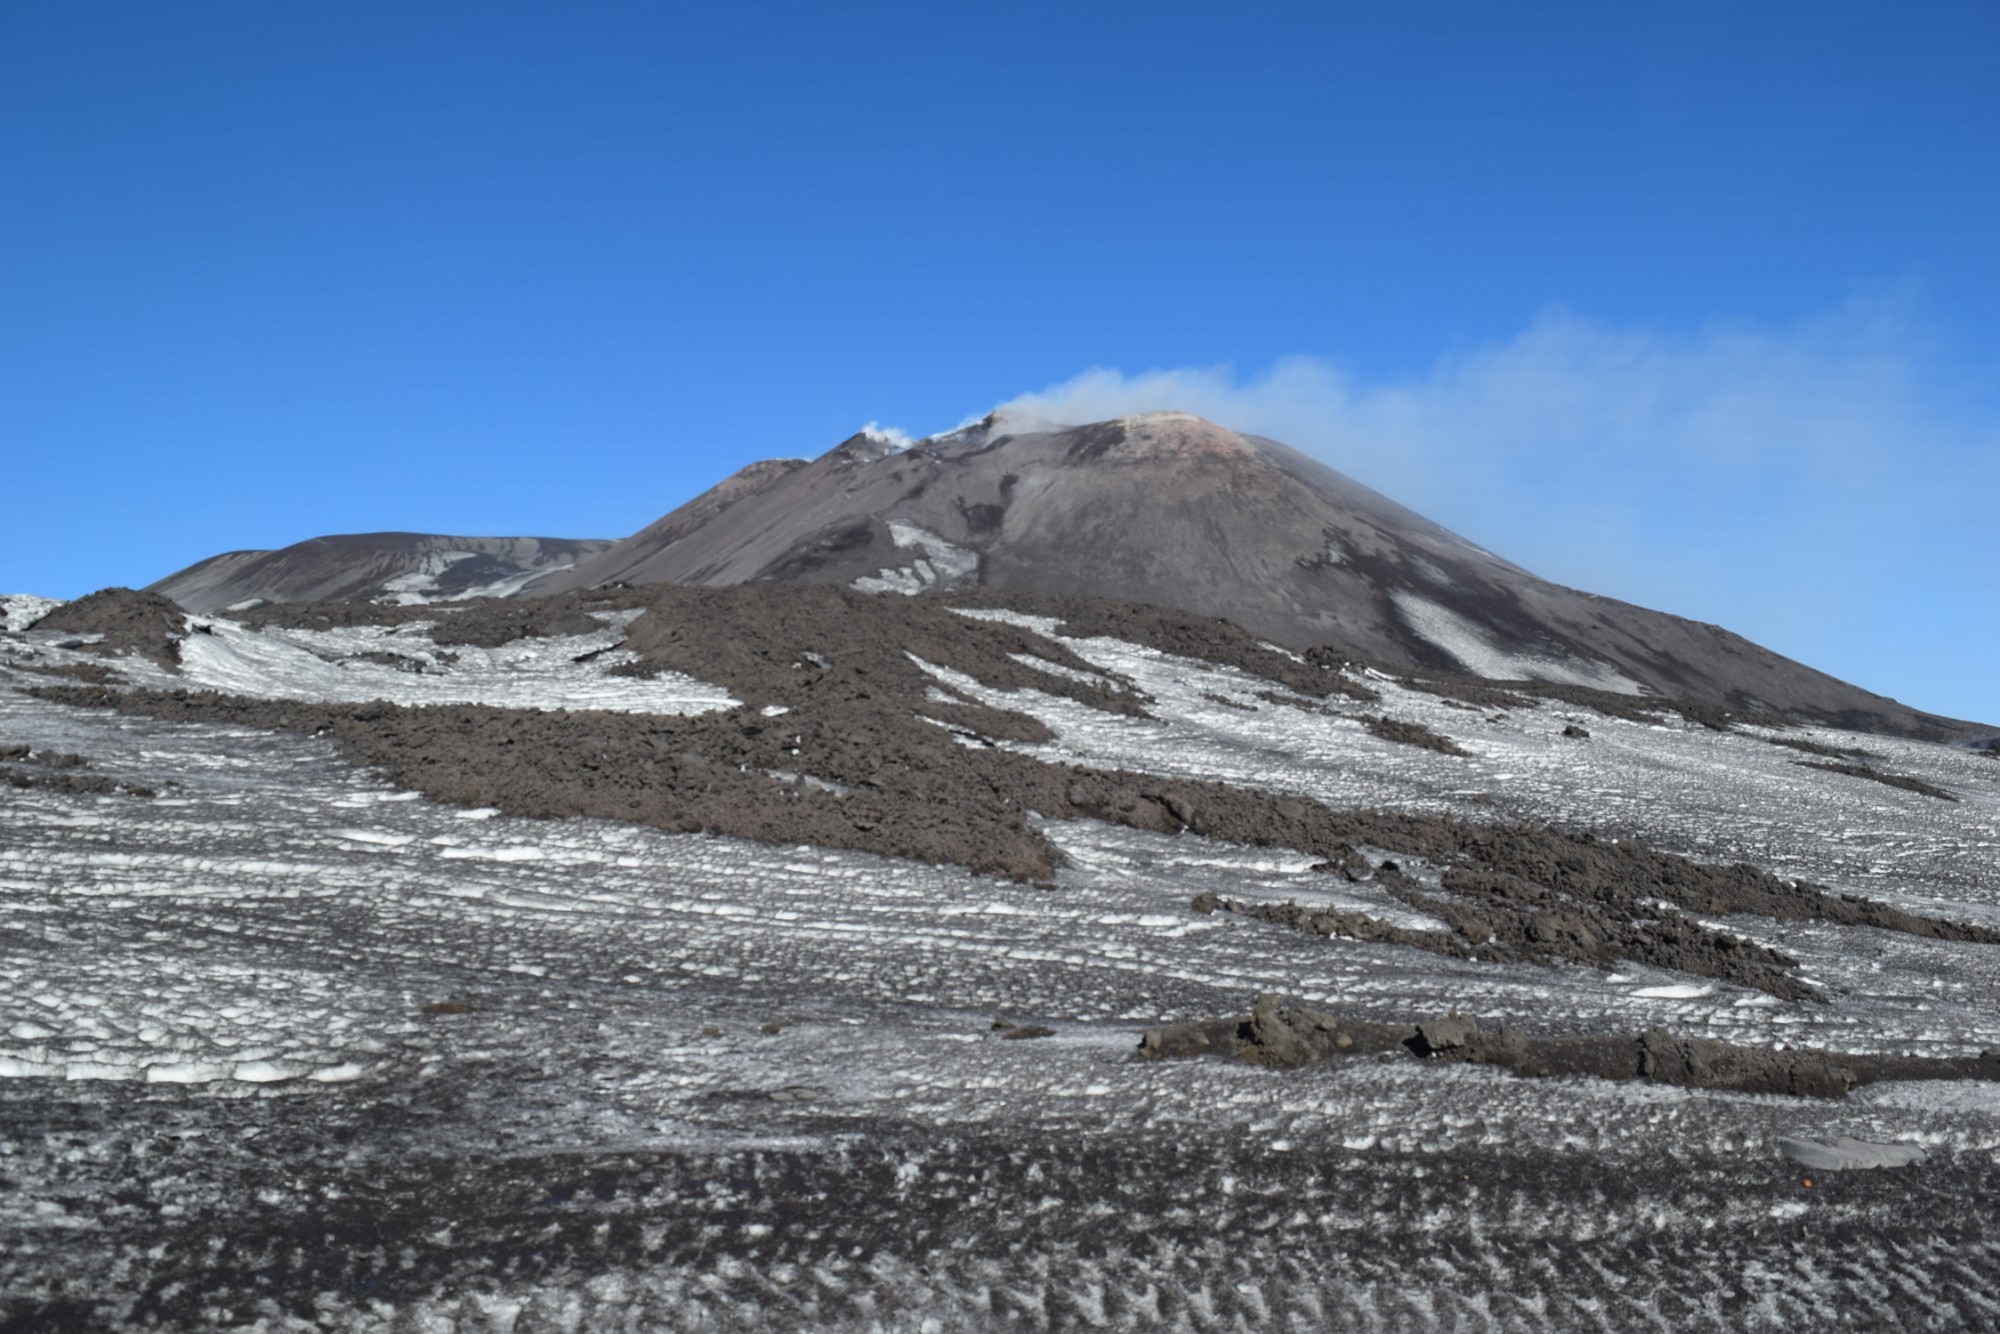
(1166, 508)
(751, 1045)
(415, 567)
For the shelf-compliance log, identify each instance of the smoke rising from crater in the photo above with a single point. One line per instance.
(1820, 486)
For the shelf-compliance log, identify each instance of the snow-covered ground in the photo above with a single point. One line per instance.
(287, 1045)
(18, 611)
(934, 564)
(401, 664)
(1477, 654)
(1712, 796)
(424, 584)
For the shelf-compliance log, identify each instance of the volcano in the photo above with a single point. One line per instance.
(1168, 509)
(790, 953)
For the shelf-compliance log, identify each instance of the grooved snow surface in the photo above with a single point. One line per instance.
(1481, 657)
(567, 671)
(421, 584)
(18, 611)
(687, 1081)
(937, 564)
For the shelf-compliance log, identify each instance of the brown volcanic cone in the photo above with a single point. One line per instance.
(1169, 509)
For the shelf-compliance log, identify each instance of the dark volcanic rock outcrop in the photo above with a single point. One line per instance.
(128, 620)
(1903, 781)
(1284, 1035)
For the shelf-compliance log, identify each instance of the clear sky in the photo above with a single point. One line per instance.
(1692, 304)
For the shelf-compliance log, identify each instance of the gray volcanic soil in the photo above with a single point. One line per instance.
(1203, 1232)
(844, 742)
(127, 620)
(371, 565)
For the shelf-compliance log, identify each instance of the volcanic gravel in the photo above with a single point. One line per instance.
(1314, 673)
(845, 740)
(129, 621)
(1411, 734)
(1902, 781)
(1286, 1035)
(22, 768)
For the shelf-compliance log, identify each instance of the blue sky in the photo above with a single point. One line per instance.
(1695, 305)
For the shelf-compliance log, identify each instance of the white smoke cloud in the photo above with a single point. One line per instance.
(1800, 484)
(894, 437)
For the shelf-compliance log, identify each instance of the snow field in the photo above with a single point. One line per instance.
(215, 993)
(569, 671)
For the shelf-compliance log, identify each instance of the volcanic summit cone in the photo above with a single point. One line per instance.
(1169, 509)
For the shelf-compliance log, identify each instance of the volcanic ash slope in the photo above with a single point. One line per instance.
(1170, 510)
(398, 567)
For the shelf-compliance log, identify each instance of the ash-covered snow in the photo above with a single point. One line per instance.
(422, 585)
(1478, 654)
(18, 611)
(287, 1045)
(401, 664)
(1683, 788)
(935, 564)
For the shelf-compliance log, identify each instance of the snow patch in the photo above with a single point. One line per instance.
(940, 566)
(380, 838)
(18, 611)
(413, 585)
(265, 1072)
(420, 586)
(1480, 656)
(1048, 627)
(333, 666)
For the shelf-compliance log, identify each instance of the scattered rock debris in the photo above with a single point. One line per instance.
(74, 784)
(1815, 748)
(1285, 1035)
(97, 673)
(893, 772)
(1498, 916)
(402, 662)
(128, 620)
(1411, 734)
(1316, 673)
(1902, 781)
(22, 768)
(490, 624)
(1631, 708)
